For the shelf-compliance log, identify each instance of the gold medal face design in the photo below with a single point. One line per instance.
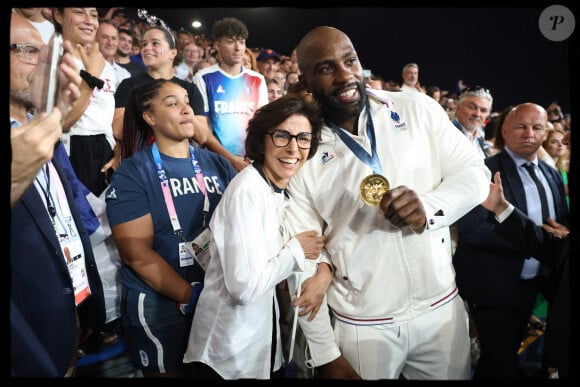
(372, 189)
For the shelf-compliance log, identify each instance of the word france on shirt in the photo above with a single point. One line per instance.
(187, 186)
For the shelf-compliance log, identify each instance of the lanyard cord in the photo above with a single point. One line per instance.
(372, 159)
(49, 201)
(167, 192)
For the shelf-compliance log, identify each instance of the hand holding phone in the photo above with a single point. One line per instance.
(55, 52)
(44, 84)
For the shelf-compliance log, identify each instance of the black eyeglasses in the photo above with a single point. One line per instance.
(475, 89)
(281, 138)
(27, 52)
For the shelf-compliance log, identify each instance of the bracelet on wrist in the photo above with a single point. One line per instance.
(91, 80)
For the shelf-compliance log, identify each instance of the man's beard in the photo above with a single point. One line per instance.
(474, 128)
(122, 54)
(339, 113)
(22, 98)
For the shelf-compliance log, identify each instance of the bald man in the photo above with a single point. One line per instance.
(498, 279)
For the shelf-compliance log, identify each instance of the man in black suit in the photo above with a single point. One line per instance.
(52, 302)
(496, 276)
(551, 241)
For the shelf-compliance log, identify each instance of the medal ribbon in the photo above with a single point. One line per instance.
(372, 160)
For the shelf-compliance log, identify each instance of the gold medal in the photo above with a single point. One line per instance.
(372, 189)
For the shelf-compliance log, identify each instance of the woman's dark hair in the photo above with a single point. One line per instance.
(271, 115)
(137, 133)
(57, 27)
(498, 139)
(432, 90)
(169, 37)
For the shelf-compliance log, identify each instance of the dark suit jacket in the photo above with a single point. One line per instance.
(42, 291)
(537, 242)
(488, 266)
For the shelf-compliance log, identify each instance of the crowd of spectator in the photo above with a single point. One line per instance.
(127, 54)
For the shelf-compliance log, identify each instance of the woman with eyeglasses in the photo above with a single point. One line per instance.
(236, 332)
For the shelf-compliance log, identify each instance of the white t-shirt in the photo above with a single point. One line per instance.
(45, 28)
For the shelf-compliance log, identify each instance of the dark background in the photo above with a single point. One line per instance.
(499, 47)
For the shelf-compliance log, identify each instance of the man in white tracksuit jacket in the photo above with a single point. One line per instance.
(393, 299)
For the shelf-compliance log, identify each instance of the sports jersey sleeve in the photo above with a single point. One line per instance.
(200, 84)
(262, 92)
(126, 195)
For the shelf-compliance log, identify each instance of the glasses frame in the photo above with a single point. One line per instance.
(290, 137)
(26, 52)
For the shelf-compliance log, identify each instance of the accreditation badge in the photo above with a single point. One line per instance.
(372, 189)
(199, 248)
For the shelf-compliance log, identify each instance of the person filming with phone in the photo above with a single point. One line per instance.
(53, 305)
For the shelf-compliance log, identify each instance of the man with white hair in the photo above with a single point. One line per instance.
(410, 77)
(473, 109)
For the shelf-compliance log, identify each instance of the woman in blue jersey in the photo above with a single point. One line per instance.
(237, 336)
(161, 197)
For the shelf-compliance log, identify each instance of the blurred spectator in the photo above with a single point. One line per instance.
(555, 112)
(37, 19)
(434, 92)
(391, 85)
(183, 38)
(202, 64)
(291, 78)
(275, 90)
(191, 54)
(47, 13)
(136, 51)
(410, 77)
(250, 60)
(281, 77)
(124, 52)
(285, 63)
(376, 82)
(299, 89)
(268, 63)
(555, 146)
(108, 39)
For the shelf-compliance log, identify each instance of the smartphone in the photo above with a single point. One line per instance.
(50, 85)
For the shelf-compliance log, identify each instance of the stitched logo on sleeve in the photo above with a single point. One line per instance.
(144, 358)
(395, 116)
(111, 194)
(326, 157)
(402, 126)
